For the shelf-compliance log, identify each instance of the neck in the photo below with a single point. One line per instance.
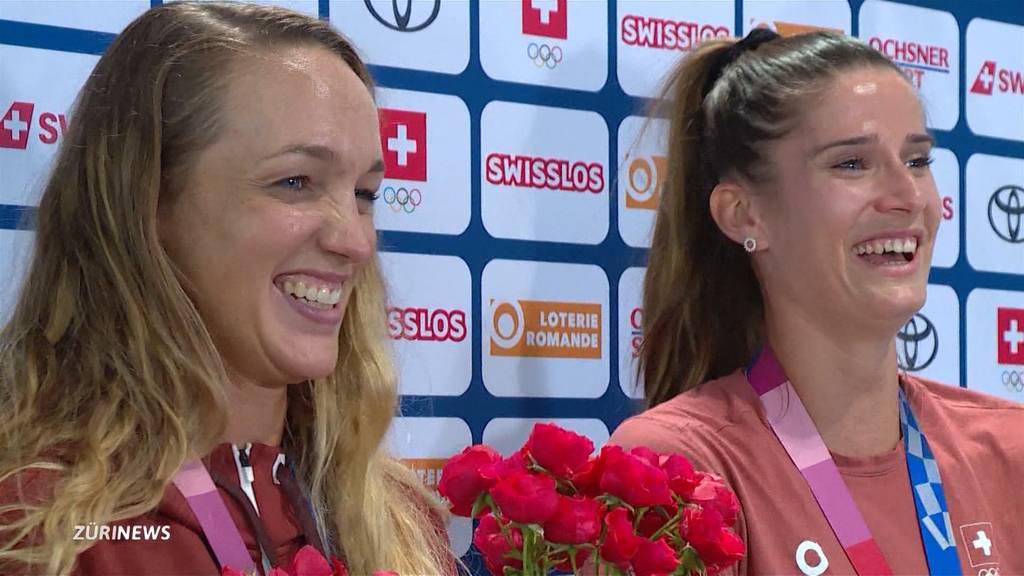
(255, 413)
(847, 382)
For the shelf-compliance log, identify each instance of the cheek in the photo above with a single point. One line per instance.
(370, 231)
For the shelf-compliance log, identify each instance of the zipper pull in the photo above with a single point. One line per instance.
(243, 459)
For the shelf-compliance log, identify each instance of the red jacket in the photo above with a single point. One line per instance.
(170, 540)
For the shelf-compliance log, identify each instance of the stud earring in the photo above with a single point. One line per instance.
(750, 244)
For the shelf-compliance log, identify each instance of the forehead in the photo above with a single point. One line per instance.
(299, 94)
(861, 102)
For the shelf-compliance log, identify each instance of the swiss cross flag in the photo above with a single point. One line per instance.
(14, 126)
(1010, 335)
(403, 135)
(546, 18)
(986, 78)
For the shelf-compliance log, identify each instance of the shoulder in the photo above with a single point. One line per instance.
(970, 418)
(693, 419)
(963, 401)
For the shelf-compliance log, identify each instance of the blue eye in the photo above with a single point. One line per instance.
(294, 183)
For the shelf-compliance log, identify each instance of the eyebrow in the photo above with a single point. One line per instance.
(917, 138)
(320, 153)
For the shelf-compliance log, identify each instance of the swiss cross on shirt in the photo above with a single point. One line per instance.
(978, 540)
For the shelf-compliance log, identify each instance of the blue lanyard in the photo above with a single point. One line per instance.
(929, 498)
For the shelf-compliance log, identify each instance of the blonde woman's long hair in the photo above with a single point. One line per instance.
(109, 380)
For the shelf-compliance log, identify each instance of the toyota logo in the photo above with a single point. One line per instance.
(917, 343)
(401, 20)
(1004, 213)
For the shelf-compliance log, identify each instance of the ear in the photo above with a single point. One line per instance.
(736, 212)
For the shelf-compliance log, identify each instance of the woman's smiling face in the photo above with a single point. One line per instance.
(276, 218)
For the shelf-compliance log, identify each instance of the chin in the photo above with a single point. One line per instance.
(310, 366)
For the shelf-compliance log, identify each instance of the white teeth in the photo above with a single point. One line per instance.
(895, 245)
(320, 295)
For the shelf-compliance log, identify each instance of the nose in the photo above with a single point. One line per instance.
(345, 231)
(903, 190)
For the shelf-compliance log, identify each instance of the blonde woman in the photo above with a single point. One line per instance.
(201, 332)
(793, 240)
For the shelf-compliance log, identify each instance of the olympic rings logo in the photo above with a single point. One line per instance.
(403, 199)
(1013, 380)
(544, 55)
(988, 572)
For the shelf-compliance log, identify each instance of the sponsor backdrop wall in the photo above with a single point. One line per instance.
(521, 186)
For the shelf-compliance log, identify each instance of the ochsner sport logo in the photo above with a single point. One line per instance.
(546, 329)
(537, 172)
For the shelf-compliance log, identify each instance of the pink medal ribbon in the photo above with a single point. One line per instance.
(195, 483)
(796, 431)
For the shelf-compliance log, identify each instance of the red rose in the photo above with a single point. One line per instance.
(565, 564)
(559, 451)
(650, 523)
(620, 543)
(461, 482)
(576, 521)
(278, 572)
(702, 529)
(682, 478)
(492, 544)
(308, 561)
(728, 551)
(526, 498)
(503, 467)
(229, 571)
(588, 479)
(654, 557)
(633, 479)
(711, 492)
(647, 455)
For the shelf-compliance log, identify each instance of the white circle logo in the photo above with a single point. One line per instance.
(801, 558)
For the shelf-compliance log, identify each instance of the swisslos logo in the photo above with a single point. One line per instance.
(547, 18)
(643, 181)
(403, 135)
(546, 329)
(537, 172)
(16, 126)
(991, 78)
(913, 58)
(650, 32)
(426, 324)
(1010, 335)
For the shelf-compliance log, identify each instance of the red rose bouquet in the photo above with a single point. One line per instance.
(553, 505)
